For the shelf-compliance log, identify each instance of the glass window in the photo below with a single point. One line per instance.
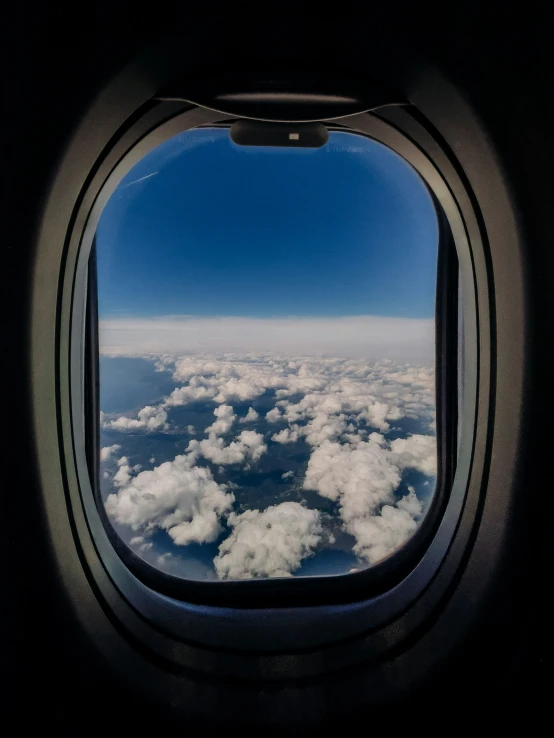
(267, 354)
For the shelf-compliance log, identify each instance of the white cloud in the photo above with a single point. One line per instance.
(149, 418)
(343, 397)
(285, 436)
(123, 474)
(411, 503)
(191, 393)
(368, 336)
(250, 416)
(141, 543)
(273, 416)
(175, 496)
(248, 446)
(323, 428)
(416, 452)
(378, 536)
(107, 452)
(225, 418)
(358, 390)
(268, 543)
(362, 478)
(238, 389)
(188, 367)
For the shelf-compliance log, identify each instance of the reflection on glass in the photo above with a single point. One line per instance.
(267, 356)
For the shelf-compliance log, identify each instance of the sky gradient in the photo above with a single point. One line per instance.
(202, 226)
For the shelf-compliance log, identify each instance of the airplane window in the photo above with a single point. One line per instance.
(266, 356)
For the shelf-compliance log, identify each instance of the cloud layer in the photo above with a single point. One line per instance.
(367, 336)
(343, 409)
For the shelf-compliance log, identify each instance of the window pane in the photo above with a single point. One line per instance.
(267, 339)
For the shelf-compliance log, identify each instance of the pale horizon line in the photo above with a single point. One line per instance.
(365, 336)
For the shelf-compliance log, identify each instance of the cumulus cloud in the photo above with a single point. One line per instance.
(343, 398)
(248, 446)
(367, 336)
(149, 418)
(307, 390)
(193, 392)
(378, 536)
(416, 452)
(108, 451)
(286, 436)
(225, 418)
(250, 416)
(273, 416)
(362, 478)
(162, 560)
(268, 543)
(175, 496)
(411, 503)
(124, 472)
(238, 389)
(141, 543)
(323, 428)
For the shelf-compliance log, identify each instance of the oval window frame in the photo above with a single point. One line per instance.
(273, 629)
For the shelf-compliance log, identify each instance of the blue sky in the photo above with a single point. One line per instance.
(219, 229)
